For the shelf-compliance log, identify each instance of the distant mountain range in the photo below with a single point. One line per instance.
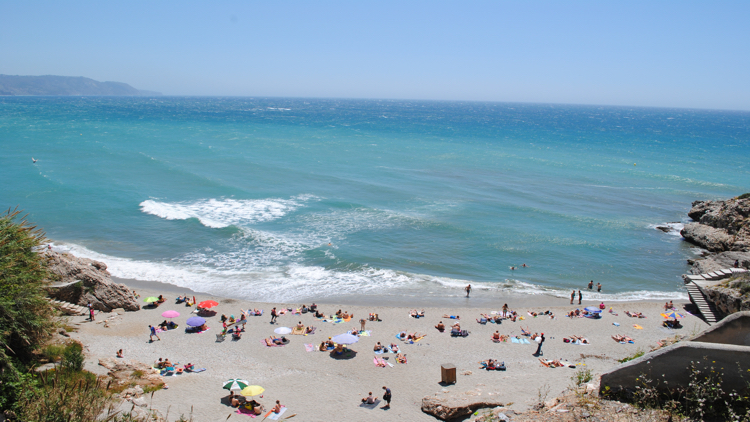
(65, 85)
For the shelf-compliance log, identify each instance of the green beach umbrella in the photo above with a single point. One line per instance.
(235, 384)
(151, 299)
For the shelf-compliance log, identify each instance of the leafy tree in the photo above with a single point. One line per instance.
(25, 316)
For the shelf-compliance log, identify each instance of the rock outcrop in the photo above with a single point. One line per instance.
(723, 228)
(130, 373)
(82, 281)
(727, 297)
(451, 405)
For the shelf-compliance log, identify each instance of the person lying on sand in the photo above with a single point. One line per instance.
(551, 363)
(621, 339)
(414, 336)
(277, 340)
(525, 332)
(319, 314)
(401, 358)
(484, 318)
(413, 313)
(394, 347)
(440, 327)
(189, 367)
(634, 314)
(452, 316)
(373, 317)
(309, 329)
(581, 339)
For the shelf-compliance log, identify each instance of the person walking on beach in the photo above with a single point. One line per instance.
(539, 339)
(362, 322)
(387, 397)
(598, 287)
(591, 285)
(580, 296)
(153, 333)
(273, 315)
(468, 290)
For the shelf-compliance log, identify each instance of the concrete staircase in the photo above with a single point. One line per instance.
(707, 309)
(695, 284)
(68, 308)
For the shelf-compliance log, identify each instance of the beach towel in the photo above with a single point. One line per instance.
(637, 327)
(365, 333)
(275, 416)
(312, 331)
(515, 340)
(525, 341)
(298, 331)
(370, 405)
(198, 370)
(616, 324)
(309, 347)
(378, 361)
(380, 352)
(243, 411)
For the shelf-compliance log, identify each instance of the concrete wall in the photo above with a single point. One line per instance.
(725, 347)
(734, 329)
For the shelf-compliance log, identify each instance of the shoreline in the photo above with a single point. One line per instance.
(479, 298)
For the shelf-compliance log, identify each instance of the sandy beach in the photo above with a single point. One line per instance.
(317, 387)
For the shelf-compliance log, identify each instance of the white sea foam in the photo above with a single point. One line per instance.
(218, 213)
(674, 228)
(289, 283)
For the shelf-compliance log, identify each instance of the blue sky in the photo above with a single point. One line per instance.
(644, 53)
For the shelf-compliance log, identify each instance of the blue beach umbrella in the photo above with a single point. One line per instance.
(592, 309)
(345, 338)
(195, 321)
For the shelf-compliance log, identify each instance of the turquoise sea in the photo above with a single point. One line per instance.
(290, 199)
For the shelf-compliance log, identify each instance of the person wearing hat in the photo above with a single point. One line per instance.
(540, 340)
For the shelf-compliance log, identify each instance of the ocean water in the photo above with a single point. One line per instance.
(289, 199)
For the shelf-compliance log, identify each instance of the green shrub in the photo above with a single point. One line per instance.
(744, 196)
(53, 352)
(582, 376)
(72, 358)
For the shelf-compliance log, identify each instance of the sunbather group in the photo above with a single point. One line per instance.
(492, 365)
(414, 314)
(576, 340)
(556, 363)
(276, 341)
(404, 336)
(326, 345)
(634, 314)
(672, 323)
(536, 314)
(622, 339)
(497, 338)
(373, 317)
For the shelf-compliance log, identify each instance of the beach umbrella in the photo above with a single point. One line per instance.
(151, 299)
(235, 384)
(170, 314)
(592, 309)
(345, 338)
(252, 390)
(195, 321)
(282, 330)
(208, 304)
(673, 314)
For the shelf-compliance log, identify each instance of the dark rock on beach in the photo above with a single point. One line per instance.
(82, 281)
(452, 405)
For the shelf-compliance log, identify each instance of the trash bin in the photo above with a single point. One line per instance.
(448, 373)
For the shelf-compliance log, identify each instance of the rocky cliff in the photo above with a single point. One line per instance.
(83, 281)
(722, 228)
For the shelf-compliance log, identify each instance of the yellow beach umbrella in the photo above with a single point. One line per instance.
(252, 390)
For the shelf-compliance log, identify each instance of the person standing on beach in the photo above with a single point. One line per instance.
(540, 339)
(591, 285)
(468, 290)
(153, 333)
(273, 315)
(598, 287)
(580, 296)
(572, 297)
(387, 397)
(362, 324)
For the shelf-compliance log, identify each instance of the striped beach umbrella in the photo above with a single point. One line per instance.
(673, 314)
(235, 384)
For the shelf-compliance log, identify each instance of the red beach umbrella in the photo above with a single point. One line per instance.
(208, 304)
